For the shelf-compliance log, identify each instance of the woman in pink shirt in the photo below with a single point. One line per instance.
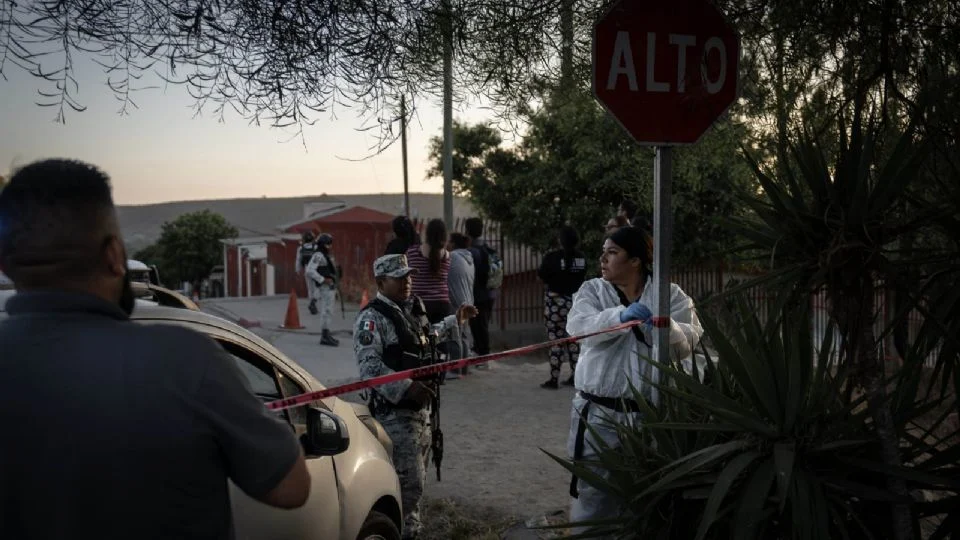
(432, 263)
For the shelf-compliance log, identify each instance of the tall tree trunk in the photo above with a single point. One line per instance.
(566, 44)
(448, 114)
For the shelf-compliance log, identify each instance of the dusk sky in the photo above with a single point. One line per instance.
(160, 152)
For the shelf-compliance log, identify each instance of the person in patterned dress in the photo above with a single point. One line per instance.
(562, 272)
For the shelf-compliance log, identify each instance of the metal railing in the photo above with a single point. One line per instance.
(519, 301)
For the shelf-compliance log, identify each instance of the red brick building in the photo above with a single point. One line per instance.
(266, 265)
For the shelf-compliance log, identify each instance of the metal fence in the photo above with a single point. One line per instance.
(519, 302)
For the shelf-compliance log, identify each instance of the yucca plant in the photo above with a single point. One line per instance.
(763, 445)
(835, 221)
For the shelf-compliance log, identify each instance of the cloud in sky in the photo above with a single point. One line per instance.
(162, 152)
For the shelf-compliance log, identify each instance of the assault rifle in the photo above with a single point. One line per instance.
(436, 441)
(343, 308)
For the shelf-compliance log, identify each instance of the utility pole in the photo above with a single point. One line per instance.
(403, 149)
(448, 114)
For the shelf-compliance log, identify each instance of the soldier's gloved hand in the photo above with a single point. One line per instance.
(466, 312)
(420, 393)
(637, 311)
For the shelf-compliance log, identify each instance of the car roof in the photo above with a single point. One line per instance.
(136, 265)
(157, 313)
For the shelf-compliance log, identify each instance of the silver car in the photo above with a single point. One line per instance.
(355, 494)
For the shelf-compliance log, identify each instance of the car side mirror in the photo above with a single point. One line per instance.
(326, 434)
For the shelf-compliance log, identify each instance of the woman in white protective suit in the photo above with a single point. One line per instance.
(610, 363)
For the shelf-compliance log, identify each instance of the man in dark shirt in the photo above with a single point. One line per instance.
(113, 429)
(482, 297)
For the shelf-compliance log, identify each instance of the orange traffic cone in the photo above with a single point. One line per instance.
(292, 320)
(364, 300)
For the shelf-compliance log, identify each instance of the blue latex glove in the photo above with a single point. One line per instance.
(637, 311)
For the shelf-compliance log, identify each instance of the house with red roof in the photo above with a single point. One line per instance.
(266, 264)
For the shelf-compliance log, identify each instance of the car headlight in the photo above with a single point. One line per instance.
(379, 433)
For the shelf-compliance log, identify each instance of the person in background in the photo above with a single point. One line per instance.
(116, 429)
(405, 235)
(323, 271)
(611, 363)
(615, 223)
(461, 279)
(431, 262)
(482, 297)
(629, 210)
(305, 252)
(390, 335)
(562, 272)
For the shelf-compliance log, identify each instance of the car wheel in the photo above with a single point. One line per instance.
(378, 527)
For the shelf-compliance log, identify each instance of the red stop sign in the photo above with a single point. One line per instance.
(666, 69)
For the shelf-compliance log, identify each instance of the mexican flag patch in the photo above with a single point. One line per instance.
(369, 326)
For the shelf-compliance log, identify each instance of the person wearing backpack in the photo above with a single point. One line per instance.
(489, 277)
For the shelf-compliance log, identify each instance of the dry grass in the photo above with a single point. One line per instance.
(447, 519)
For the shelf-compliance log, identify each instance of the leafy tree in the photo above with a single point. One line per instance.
(574, 165)
(149, 255)
(287, 62)
(189, 246)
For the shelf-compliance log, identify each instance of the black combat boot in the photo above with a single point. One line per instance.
(328, 339)
(551, 384)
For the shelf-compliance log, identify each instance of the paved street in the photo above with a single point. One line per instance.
(495, 422)
(330, 365)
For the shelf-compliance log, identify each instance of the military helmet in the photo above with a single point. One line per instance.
(325, 239)
(307, 237)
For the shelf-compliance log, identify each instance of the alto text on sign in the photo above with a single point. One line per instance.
(666, 71)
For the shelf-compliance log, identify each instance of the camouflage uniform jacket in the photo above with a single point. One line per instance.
(372, 333)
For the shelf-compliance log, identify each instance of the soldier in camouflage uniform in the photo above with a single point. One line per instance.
(304, 254)
(391, 335)
(322, 269)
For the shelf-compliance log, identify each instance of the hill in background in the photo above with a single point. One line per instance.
(256, 217)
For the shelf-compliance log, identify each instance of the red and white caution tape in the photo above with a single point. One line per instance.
(433, 369)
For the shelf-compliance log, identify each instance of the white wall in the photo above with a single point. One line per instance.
(271, 288)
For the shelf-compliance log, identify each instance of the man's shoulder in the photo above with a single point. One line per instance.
(174, 342)
(371, 319)
(370, 324)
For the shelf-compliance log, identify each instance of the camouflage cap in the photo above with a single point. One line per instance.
(394, 266)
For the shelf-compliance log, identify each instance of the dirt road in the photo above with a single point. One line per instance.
(495, 423)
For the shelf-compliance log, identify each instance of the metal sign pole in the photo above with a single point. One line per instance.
(662, 245)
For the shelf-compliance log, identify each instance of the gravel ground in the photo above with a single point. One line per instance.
(497, 425)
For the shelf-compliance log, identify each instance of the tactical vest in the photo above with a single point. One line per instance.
(306, 253)
(412, 349)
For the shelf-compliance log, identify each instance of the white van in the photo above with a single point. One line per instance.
(140, 272)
